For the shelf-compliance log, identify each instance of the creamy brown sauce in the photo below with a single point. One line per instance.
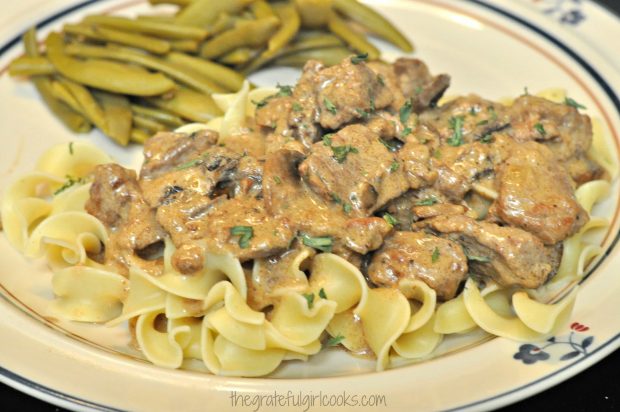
(356, 159)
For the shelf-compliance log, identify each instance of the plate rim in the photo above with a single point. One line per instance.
(63, 399)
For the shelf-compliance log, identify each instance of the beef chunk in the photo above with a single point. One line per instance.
(440, 263)
(192, 220)
(355, 167)
(304, 120)
(460, 167)
(217, 169)
(366, 234)
(508, 255)
(466, 119)
(537, 195)
(560, 127)
(116, 200)
(417, 83)
(349, 91)
(416, 163)
(167, 150)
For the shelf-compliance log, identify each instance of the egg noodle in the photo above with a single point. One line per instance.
(208, 317)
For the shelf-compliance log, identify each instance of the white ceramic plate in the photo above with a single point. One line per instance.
(494, 49)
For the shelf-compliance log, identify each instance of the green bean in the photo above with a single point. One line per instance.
(31, 66)
(314, 13)
(31, 46)
(223, 22)
(159, 115)
(238, 56)
(287, 13)
(329, 56)
(118, 115)
(355, 40)
(305, 42)
(89, 106)
(140, 41)
(190, 105)
(251, 33)
(156, 17)
(261, 9)
(313, 42)
(201, 13)
(146, 123)
(181, 3)
(156, 28)
(374, 22)
(191, 46)
(73, 120)
(178, 73)
(106, 75)
(63, 94)
(139, 136)
(290, 26)
(228, 78)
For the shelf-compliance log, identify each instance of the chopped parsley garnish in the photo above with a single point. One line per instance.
(572, 103)
(482, 259)
(381, 80)
(71, 148)
(297, 107)
(540, 129)
(435, 255)
(392, 147)
(526, 91)
(473, 111)
(362, 113)
(336, 198)
(329, 106)
(284, 91)
(309, 298)
(429, 201)
(188, 164)
(322, 243)
(261, 103)
(437, 154)
(406, 132)
(487, 138)
(456, 124)
(405, 111)
(71, 181)
(482, 122)
(322, 294)
(334, 341)
(491, 110)
(327, 139)
(245, 233)
(418, 90)
(394, 166)
(390, 219)
(341, 152)
(372, 102)
(346, 208)
(359, 58)
(277, 180)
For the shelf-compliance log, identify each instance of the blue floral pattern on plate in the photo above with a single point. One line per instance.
(568, 12)
(557, 349)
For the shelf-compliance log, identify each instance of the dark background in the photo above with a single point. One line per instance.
(595, 389)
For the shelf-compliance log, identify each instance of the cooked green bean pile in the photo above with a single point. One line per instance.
(131, 78)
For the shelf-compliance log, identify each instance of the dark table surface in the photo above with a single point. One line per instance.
(595, 389)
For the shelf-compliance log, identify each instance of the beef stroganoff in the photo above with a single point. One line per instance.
(355, 208)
